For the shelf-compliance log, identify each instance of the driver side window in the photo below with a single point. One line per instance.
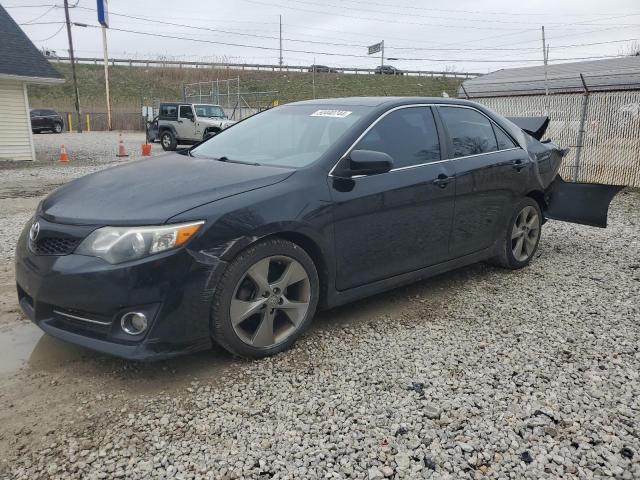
(408, 135)
(186, 111)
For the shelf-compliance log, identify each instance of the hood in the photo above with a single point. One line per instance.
(223, 122)
(152, 191)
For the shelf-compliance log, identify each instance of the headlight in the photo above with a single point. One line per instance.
(121, 244)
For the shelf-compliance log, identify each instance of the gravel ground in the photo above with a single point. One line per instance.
(478, 373)
(89, 147)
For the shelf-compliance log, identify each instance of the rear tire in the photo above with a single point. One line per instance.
(168, 141)
(522, 236)
(265, 299)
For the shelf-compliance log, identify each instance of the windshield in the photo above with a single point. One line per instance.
(211, 111)
(291, 135)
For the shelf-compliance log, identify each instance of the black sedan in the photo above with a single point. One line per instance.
(387, 70)
(309, 205)
(43, 120)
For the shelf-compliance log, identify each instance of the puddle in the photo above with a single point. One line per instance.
(25, 344)
(16, 345)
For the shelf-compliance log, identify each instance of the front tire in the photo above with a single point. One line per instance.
(168, 141)
(522, 236)
(57, 128)
(265, 299)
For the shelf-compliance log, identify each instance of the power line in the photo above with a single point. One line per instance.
(429, 9)
(413, 15)
(262, 47)
(50, 37)
(164, 22)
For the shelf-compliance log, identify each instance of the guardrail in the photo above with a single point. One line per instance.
(253, 66)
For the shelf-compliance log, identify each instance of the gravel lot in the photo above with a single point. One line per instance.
(478, 373)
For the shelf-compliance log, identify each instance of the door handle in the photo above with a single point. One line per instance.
(443, 180)
(518, 164)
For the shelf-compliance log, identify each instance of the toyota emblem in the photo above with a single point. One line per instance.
(35, 230)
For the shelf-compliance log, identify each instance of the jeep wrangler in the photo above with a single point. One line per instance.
(189, 123)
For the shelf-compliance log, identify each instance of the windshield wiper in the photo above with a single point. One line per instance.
(228, 160)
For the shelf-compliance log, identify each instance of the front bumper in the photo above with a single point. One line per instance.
(81, 299)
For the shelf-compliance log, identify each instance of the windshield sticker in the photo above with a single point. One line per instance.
(331, 113)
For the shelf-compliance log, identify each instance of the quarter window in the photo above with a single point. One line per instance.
(408, 135)
(504, 140)
(471, 132)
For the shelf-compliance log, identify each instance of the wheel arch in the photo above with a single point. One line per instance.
(306, 242)
(538, 196)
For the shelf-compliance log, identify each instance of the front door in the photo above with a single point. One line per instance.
(400, 221)
(186, 126)
(492, 173)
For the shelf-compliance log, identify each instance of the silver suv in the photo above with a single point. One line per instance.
(189, 123)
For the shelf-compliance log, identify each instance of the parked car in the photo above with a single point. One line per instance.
(309, 205)
(189, 123)
(43, 119)
(322, 69)
(387, 70)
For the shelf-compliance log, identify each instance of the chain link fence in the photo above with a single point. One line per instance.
(609, 152)
(226, 93)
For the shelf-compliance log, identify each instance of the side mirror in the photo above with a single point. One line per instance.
(365, 162)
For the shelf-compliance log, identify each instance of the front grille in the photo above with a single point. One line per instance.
(54, 245)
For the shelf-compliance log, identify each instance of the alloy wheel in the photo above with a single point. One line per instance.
(166, 141)
(525, 234)
(270, 301)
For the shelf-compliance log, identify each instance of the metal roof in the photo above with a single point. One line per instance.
(21, 59)
(621, 73)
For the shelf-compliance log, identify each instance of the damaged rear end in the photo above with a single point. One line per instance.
(582, 203)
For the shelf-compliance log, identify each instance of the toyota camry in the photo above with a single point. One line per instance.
(241, 239)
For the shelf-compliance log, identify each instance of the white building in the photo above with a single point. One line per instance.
(21, 63)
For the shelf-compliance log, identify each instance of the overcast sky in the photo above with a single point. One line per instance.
(464, 35)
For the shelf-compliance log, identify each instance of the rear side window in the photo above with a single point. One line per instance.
(471, 132)
(168, 111)
(408, 135)
(504, 140)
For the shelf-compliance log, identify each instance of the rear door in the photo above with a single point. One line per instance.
(492, 173)
(399, 221)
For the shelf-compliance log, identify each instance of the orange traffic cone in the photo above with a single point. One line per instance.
(146, 149)
(121, 150)
(64, 158)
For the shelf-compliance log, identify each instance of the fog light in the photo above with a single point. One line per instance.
(134, 323)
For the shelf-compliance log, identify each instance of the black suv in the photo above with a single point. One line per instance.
(387, 70)
(43, 119)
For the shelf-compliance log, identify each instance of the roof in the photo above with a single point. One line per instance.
(622, 73)
(376, 101)
(21, 59)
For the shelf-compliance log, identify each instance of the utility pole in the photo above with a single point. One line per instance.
(73, 65)
(106, 75)
(382, 57)
(313, 78)
(545, 57)
(281, 40)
